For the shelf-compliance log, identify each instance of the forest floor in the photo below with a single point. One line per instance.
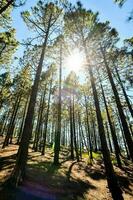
(70, 180)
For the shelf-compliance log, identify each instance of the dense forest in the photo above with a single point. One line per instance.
(66, 105)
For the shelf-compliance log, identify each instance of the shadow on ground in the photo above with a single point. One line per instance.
(45, 181)
(7, 161)
(95, 173)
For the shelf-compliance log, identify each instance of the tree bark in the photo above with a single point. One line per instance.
(22, 123)
(124, 92)
(88, 130)
(71, 129)
(46, 118)
(74, 131)
(110, 145)
(58, 130)
(19, 169)
(113, 133)
(111, 177)
(120, 110)
(12, 121)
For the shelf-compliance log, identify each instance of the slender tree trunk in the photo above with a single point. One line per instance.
(110, 145)
(52, 132)
(113, 133)
(111, 177)
(88, 130)
(22, 123)
(119, 106)
(19, 169)
(58, 130)
(3, 120)
(71, 130)
(74, 131)
(129, 123)
(123, 136)
(82, 134)
(12, 121)
(37, 133)
(80, 141)
(5, 123)
(46, 118)
(40, 119)
(94, 133)
(81, 145)
(64, 134)
(124, 92)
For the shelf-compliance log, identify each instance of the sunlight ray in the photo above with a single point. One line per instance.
(74, 61)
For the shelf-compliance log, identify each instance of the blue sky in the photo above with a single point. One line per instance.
(117, 16)
(106, 8)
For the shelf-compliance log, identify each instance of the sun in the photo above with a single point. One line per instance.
(74, 61)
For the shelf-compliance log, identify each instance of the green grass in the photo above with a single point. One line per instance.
(96, 155)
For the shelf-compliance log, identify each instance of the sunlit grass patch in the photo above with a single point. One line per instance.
(96, 155)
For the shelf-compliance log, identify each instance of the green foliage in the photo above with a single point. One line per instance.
(8, 45)
(5, 87)
(129, 42)
(5, 18)
(41, 15)
(120, 2)
(78, 19)
(22, 81)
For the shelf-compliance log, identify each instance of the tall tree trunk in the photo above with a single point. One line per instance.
(109, 141)
(74, 131)
(80, 140)
(37, 133)
(63, 138)
(94, 134)
(124, 92)
(66, 133)
(46, 118)
(39, 121)
(5, 123)
(23, 119)
(120, 109)
(111, 177)
(71, 128)
(19, 169)
(58, 130)
(113, 133)
(82, 134)
(12, 121)
(123, 136)
(88, 130)
(2, 122)
(129, 122)
(52, 132)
